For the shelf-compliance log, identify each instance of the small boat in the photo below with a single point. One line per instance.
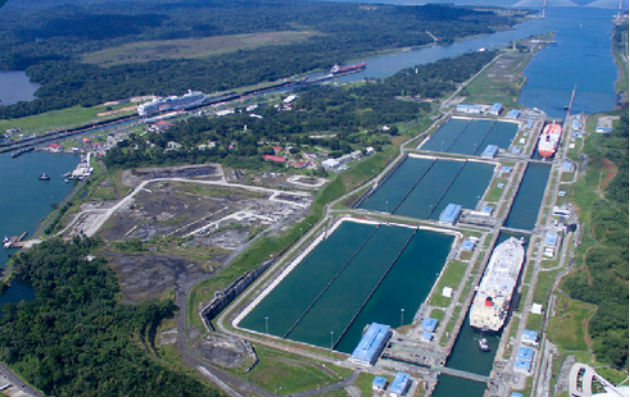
(66, 180)
(44, 177)
(483, 344)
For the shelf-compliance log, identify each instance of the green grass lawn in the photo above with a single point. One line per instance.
(494, 193)
(62, 119)
(566, 328)
(283, 374)
(451, 277)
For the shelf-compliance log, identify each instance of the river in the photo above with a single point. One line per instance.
(25, 200)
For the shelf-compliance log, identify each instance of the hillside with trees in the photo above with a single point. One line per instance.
(75, 338)
(50, 43)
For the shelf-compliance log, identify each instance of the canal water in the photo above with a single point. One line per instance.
(333, 288)
(423, 187)
(529, 197)
(471, 136)
(581, 57)
(15, 86)
(26, 200)
(466, 355)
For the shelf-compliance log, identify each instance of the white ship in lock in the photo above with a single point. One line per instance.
(491, 303)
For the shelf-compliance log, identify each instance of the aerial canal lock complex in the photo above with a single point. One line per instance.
(441, 234)
(290, 203)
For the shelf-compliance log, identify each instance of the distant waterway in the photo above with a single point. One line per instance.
(15, 86)
(25, 200)
(581, 57)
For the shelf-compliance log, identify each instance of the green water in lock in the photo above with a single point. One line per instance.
(422, 188)
(468, 136)
(529, 197)
(349, 267)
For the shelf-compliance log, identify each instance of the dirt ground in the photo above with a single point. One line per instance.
(144, 276)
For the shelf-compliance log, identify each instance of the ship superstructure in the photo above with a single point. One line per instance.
(338, 70)
(549, 138)
(171, 103)
(492, 301)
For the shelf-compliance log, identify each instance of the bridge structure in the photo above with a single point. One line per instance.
(461, 374)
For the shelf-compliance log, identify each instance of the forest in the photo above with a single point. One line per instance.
(49, 43)
(355, 115)
(75, 338)
(603, 279)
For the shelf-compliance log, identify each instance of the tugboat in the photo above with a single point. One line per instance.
(483, 344)
(44, 177)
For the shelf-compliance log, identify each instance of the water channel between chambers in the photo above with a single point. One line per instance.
(336, 288)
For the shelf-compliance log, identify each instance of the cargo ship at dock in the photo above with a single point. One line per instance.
(491, 303)
(337, 70)
(548, 140)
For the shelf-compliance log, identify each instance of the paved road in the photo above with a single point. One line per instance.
(6, 376)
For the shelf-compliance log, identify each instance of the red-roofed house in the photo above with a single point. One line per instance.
(278, 159)
(55, 147)
(162, 125)
(277, 149)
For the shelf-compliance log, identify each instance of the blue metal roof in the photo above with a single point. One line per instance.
(530, 335)
(426, 335)
(487, 209)
(516, 394)
(496, 107)
(379, 382)
(522, 365)
(567, 166)
(400, 384)
(451, 213)
(468, 245)
(514, 114)
(429, 324)
(525, 353)
(490, 151)
(371, 342)
(506, 169)
(551, 239)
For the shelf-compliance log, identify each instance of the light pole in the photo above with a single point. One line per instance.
(331, 339)
(402, 316)
(386, 205)
(266, 325)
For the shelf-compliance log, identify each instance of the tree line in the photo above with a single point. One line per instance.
(49, 44)
(353, 117)
(75, 338)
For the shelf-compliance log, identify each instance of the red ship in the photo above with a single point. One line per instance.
(338, 70)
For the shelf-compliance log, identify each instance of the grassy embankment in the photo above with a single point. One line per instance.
(502, 81)
(66, 118)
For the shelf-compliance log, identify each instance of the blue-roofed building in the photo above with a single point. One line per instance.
(371, 344)
(490, 152)
(451, 214)
(487, 210)
(506, 170)
(530, 337)
(496, 109)
(567, 166)
(516, 394)
(429, 324)
(426, 336)
(400, 385)
(516, 150)
(468, 245)
(379, 383)
(523, 365)
(514, 113)
(525, 353)
(551, 239)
